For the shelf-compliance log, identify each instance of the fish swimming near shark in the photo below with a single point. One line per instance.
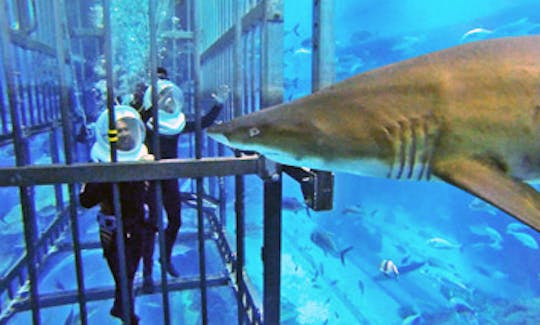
(325, 242)
(294, 205)
(468, 115)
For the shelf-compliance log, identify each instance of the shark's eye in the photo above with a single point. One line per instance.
(254, 132)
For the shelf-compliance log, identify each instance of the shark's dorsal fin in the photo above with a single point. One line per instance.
(490, 183)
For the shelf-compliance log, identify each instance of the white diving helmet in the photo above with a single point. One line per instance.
(170, 102)
(131, 134)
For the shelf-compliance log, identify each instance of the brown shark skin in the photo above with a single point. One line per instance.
(478, 102)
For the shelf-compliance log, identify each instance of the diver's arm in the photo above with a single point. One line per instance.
(206, 120)
(91, 194)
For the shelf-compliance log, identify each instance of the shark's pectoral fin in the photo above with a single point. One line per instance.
(494, 186)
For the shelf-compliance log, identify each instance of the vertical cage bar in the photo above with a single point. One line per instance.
(19, 72)
(28, 87)
(48, 100)
(197, 6)
(271, 84)
(245, 76)
(252, 74)
(272, 249)
(323, 44)
(67, 132)
(158, 195)
(26, 193)
(239, 206)
(37, 91)
(3, 121)
(120, 245)
(272, 54)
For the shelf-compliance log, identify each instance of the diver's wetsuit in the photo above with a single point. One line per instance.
(170, 190)
(132, 199)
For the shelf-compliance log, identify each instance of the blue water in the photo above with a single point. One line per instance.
(461, 260)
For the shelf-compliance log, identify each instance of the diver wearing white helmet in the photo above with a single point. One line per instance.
(130, 136)
(172, 123)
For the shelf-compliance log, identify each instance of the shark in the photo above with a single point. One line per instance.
(467, 115)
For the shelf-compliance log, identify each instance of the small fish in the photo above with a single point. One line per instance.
(516, 226)
(405, 260)
(526, 239)
(70, 318)
(306, 42)
(353, 209)
(437, 242)
(389, 269)
(324, 241)
(302, 50)
(295, 29)
(59, 285)
(475, 34)
(412, 320)
(361, 286)
(461, 306)
(480, 205)
(292, 204)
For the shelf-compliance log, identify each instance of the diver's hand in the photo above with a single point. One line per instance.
(221, 94)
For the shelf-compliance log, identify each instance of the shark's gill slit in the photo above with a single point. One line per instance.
(407, 141)
(412, 149)
(401, 150)
(422, 151)
(431, 138)
(393, 138)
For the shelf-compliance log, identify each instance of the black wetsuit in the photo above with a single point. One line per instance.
(132, 198)
(169, 187)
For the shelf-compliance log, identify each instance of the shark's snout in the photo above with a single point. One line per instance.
(219, 132)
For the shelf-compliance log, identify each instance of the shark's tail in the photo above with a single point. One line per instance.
(343, 252)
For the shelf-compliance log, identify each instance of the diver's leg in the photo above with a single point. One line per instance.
(172, 203)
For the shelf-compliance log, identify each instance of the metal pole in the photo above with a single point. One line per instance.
(272, 249)
(158, 195)
(120, 244)
(272, 94)
(67, 131)
(272, 54)
(198, 154)
(239, 206)
(239, 180)
(22, 158)
(323, 44)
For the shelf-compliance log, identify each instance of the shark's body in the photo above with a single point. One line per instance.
(469, 115)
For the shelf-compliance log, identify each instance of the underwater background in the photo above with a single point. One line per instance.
(461, 260)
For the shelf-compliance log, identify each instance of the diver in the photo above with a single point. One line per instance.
(130, 147)
(172, 123)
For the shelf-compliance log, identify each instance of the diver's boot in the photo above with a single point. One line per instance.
(148, 284)
(148, 262)
(169, 243)
(171, 269)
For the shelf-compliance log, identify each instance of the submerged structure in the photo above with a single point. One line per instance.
(260, 242)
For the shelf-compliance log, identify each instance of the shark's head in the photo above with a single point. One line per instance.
(302, 133)
(267, 132)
